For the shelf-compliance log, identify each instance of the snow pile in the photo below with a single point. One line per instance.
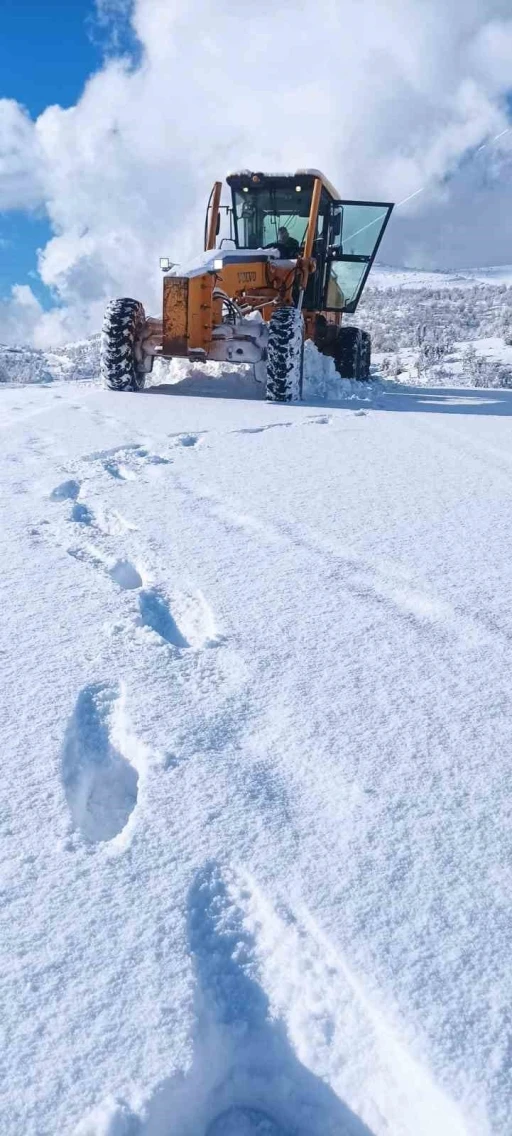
(322, 380)
(80, 362)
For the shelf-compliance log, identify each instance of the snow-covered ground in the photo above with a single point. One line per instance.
(256, 752)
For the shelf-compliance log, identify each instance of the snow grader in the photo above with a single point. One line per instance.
(296, 259)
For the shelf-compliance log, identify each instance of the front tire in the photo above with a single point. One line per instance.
(285, 355)
(122, 368)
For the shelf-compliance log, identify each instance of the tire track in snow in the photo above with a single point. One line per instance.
(480, 453)
(386, 582)
(390, 583)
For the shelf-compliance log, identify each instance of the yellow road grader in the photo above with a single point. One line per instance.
(297, 257)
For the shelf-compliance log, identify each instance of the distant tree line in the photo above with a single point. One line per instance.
(423, 332)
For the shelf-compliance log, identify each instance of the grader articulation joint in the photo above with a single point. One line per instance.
(296, 258)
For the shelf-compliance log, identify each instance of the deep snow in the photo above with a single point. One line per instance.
(256, 737)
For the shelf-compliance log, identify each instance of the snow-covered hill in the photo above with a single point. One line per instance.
(256, 756)
(76, 362)
(385, 276)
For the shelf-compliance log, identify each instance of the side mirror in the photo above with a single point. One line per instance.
(336, 225)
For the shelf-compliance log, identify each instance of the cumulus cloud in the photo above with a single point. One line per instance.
(387, 97)
(20, 315)
(20, 161)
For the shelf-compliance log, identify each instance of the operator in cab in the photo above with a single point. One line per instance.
(288, 247)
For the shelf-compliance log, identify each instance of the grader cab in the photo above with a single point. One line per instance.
(295, 259)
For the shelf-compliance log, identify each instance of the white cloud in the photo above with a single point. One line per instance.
(20, 163)
(20, 315)
(386, 97)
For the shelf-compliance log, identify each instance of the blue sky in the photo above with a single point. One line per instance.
(48, 49)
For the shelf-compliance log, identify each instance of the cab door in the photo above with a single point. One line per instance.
(356, 229)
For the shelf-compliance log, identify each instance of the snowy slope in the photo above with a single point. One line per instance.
(76, 362)
(386, 276)
(256, 755)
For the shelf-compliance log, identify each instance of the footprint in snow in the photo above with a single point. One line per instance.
(123, 463)
(81, 514)
(187, 439)
(262, 429)
(155, 613)
(186, 620)
(322, 420)
(258, 1086)
(118, 471)
(100, 782)
(111, 523)
(245, 1122)
(122, 572)
(125, 574)
(66, 491)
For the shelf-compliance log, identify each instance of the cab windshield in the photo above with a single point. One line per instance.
(260, 212)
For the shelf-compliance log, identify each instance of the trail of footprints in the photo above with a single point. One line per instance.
(103, 763)
(103, 768)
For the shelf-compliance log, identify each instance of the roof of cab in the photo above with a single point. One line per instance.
(286, 174)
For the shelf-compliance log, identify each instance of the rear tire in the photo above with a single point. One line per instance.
(348, 353)
(285, 352)
(366, 355)
(123, 324)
